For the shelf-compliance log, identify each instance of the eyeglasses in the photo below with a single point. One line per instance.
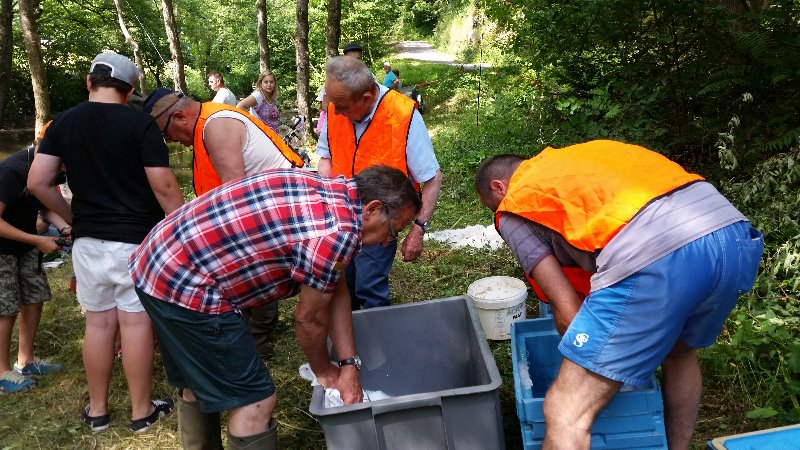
(164, 131)
(392, 232)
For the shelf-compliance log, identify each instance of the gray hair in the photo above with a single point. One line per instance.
(498, 167)
(390, 186)
(352, 73)
(180, 105)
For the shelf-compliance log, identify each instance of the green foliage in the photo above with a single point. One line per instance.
(662, 74)
(760, 349)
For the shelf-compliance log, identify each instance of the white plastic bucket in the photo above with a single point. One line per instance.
(500, 301)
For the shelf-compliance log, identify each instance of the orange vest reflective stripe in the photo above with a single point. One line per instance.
(589, 192)
(204, 175)
(383, 142)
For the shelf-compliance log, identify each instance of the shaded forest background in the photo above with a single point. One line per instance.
(712, 84)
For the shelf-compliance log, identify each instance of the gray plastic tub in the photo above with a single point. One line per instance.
(433, 360)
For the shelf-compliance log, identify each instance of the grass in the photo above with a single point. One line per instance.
(48, 416)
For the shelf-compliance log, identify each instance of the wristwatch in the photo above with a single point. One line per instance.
(354, 361)
(423, 225)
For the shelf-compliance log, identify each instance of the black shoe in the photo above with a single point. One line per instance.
(96, 424)
(160, 409)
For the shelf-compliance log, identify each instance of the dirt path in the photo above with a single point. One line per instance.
(423, 51)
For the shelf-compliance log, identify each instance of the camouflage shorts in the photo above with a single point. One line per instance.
(22, 282)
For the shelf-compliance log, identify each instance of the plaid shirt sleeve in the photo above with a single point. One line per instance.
(318, 262)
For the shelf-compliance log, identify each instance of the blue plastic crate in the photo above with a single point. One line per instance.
(634, 418)
(783, 438)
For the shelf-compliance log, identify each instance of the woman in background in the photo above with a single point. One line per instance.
(262, 103)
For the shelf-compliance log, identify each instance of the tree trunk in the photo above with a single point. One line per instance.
(333, 32)
(6, 47)
(301, 55)
(263, 44)
(170, 25)
(30, 34)
(134, 45)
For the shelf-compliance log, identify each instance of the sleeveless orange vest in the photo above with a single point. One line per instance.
(204, 176)
(589, 192)
(383, 142)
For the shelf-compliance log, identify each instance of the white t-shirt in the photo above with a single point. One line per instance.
(259, 152)
(224, 95)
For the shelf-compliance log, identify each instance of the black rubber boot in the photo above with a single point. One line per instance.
(267, 440)
(198, 430)
(262, 322)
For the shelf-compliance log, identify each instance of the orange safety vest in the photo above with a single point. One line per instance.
(589, 192)
(383, 142)
(204, 176)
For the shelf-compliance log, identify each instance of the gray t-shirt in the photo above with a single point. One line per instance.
(661, 227)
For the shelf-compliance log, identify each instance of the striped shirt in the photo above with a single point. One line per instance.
(252, 241)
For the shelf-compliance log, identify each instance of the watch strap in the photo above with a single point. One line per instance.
(423, 225)
(350, 362)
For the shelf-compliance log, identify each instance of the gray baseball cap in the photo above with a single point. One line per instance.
(122, 68)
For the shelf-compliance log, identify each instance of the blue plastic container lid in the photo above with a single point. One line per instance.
(773, 438)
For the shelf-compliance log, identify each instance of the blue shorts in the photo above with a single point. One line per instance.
(625, 331)
(211, 354)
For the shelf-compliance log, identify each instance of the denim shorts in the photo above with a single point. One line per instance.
(625, 331)
(211, 354)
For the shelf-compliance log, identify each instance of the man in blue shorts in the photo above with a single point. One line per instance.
(271, 235)
(667, 256)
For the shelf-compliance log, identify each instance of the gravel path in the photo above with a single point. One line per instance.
(423, 51)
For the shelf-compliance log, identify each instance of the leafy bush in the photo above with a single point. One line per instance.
(760, 349)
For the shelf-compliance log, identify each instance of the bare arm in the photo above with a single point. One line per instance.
(313, 317)
(247, 103)
(412, 244)
(324, 167)
(564, 301)
(47, 244)
(224, 139)
(59, 222)
(44, 170)
(164, 185)
(341, 332)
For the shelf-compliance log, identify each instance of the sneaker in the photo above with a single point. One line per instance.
(160, 409)
(38, 367)
(96, 424)
(13, 383)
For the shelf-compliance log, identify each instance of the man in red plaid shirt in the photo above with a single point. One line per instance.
(258, 239)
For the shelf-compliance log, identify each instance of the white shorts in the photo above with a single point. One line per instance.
(101, 270)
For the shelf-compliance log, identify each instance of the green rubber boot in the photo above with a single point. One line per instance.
(267, 440)
(198, 430)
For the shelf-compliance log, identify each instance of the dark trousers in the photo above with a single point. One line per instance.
(368, 276)
(262, 322)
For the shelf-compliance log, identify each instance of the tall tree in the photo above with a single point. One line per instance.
(6, 46)
(301, 56)
(30, 34)
(333, 31)
(171, 26)
(263, 44)
(134, 45)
